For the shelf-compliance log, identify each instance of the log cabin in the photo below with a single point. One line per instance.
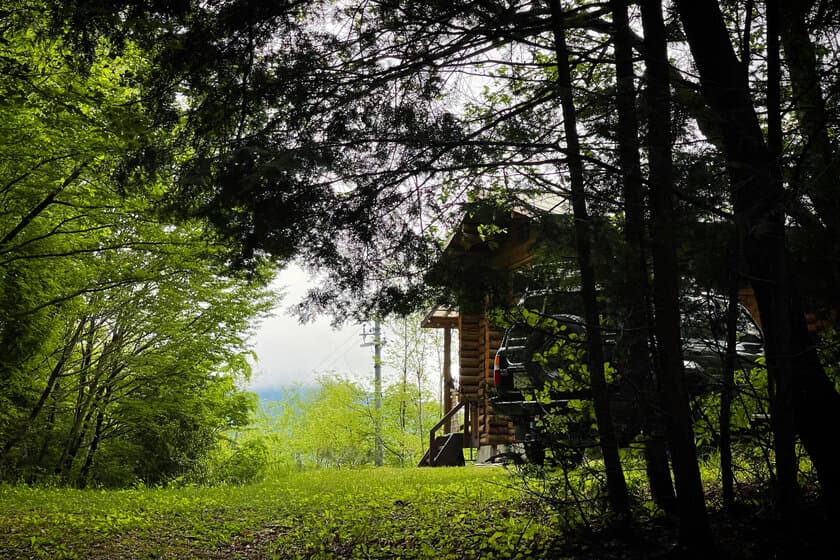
(485, 260)
(479, 266)
(481, 257)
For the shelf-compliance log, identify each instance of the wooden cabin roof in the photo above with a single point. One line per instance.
(510, 248)
(440, 318)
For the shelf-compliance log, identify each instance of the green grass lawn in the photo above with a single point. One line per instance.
(466, 512)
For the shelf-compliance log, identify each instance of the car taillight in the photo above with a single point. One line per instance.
(497, 371)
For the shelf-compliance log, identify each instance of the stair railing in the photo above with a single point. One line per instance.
(432, 444)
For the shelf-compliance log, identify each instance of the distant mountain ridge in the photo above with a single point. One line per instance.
(279, 394)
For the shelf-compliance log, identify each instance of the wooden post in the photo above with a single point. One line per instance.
(447, 373)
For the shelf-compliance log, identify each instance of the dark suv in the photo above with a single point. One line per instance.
(540, 365)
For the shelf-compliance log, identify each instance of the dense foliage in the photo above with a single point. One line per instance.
(123, 334)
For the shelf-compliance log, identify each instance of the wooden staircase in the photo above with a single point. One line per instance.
(446, 451)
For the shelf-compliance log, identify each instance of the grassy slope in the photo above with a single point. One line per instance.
(382, 513)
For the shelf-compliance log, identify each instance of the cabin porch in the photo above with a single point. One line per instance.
(470, 423)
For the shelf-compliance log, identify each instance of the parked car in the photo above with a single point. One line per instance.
(539, 367)
(703, 332)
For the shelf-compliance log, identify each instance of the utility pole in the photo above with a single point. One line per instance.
(377, 387)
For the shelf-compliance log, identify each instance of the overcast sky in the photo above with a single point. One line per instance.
(289, 353)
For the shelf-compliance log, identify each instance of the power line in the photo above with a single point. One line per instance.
(335, 354)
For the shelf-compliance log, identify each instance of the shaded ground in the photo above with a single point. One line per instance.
(748, 533)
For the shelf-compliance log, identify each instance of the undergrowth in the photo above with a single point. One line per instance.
(371, 513)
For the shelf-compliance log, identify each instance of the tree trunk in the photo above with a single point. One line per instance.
(727, 477)
(784, 437)
(636, 284)
(404, 389)
(49, 429)
(84, 473)
(818, 167)
(77, 436)
(616, 484)
(691, 507)
(90, 397)
(56, 372)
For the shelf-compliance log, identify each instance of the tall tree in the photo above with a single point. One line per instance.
(637, 285)
(694, 526)
(616, 484)
(410, 351)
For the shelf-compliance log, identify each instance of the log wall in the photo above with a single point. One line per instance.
(479, 341)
